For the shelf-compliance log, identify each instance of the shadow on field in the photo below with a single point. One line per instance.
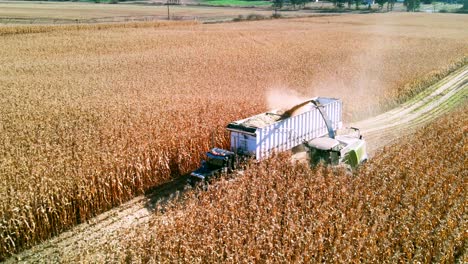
(165, 192)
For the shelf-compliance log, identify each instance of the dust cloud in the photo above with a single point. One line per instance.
(361, 80)
(282, 98)
(362, 76)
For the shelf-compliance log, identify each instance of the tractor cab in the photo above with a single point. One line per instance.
(217, 161)
(219, 158)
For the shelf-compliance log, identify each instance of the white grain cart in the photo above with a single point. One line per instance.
(276, 131)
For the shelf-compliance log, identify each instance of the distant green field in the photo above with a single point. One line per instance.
(236, 2)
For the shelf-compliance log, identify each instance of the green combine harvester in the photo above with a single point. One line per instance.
(346, 149)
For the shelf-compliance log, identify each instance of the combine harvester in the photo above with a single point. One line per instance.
(311, 125)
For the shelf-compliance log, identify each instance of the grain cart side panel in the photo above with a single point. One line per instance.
(290, 132)
(334, 112)
(244, 143)
(263, 134)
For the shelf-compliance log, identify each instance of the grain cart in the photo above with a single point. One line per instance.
(261, 135)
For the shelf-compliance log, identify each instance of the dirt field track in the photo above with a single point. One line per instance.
(434, 102)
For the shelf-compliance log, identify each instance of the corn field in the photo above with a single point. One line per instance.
(407, 204)
(28, 29)
(92, 116)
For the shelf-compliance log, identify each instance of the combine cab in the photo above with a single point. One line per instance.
(344, 149)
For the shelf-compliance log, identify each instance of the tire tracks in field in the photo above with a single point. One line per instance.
(102, 228)
(378, 131)
(435, 101)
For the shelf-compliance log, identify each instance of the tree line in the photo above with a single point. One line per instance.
(411, 5)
